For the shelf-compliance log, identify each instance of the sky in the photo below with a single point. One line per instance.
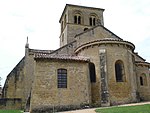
(39, 20)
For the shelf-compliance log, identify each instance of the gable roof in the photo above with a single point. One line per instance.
(90, 29)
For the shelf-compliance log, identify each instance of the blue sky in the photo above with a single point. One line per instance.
(39, 20)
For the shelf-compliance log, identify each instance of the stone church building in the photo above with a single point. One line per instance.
(93, 66)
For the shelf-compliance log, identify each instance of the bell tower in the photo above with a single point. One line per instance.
(77, 19)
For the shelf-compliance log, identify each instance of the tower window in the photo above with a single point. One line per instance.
(77, 19)
(119, 70)
(62, 78)
(92, 20)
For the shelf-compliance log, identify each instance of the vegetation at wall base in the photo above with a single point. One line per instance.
(126, 109)
(10, 111)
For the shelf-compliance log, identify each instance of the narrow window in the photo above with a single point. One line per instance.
(141, 81)
(90, 21)
(119, 70)
(62, 78)
(75, 19)
(92, 72)
(79, 19)
(94, 22)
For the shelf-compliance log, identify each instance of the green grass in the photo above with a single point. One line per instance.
(10, 111)
(126, 109)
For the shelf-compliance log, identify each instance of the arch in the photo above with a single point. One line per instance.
(143, 79)
(119, 71)
(78, 18)
(92, 72)
(92, 19)
(62, 78)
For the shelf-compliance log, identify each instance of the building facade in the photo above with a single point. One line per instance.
(93, 67)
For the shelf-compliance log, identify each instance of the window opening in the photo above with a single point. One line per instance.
(92, 21)
(77, 19)
(62, 78)
(141, 81)
(119, 70)
(92, 72)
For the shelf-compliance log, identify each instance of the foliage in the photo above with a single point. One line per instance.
(10, 111)
(126, 109)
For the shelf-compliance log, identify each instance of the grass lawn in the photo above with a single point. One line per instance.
(10, 111)
(126, 109)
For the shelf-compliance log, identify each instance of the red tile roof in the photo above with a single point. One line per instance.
(60, 57)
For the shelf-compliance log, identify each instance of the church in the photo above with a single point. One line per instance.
(93, 67)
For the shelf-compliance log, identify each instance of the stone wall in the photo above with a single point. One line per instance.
(13, 87)
(143, 90)
(119, 92)
(45, 91)
(10, 103)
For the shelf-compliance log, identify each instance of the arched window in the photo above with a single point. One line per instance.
(77, 18)
(62, 78)
(119, 70)
(92, 20)
(92, 72)
(143, 80)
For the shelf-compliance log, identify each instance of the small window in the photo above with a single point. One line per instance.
(119, 70)
(62, 78)
(92, 72)
(77, 19)
(92, 20)
(143, 80)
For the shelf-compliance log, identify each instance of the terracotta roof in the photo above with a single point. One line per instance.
(60, 57)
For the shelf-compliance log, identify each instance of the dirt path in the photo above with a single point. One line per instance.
(93, 110)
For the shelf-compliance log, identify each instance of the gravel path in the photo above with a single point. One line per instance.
(93, 110)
